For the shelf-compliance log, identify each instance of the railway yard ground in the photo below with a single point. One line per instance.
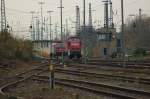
(75, 49)
(30, 80)
(29, 89)
(10, 68)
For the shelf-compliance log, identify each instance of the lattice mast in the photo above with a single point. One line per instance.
(3, 16)
(111, 14)
(106, 14)
(77, 20)
(90, 16)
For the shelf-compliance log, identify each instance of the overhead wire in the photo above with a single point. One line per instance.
(67, 12)
(16, 10)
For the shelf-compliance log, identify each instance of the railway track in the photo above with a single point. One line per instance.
(115, 64)
(7, 65)
(112, 68)
(105, 76)
(21, 77)
(121, 61)
(84, 85)
(112, 91)
(79, 72)
(126, 64)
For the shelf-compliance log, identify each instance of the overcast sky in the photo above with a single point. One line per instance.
(19, 17)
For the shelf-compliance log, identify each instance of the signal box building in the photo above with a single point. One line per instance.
(106, 43)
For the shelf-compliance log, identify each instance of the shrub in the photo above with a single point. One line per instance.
(11, 47)
(140, 52)
(12, 97)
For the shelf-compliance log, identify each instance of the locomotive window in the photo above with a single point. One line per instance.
(74, 39)
(59, 45)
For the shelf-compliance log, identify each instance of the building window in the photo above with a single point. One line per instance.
(118, 43)
(105, 51)
(47, 44)
(105, 36)
(101, 37)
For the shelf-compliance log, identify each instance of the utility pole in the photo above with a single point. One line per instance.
(84, 18)
(52, 78)
(35, 27)
(90, 16)
(84, 33)
(140, 23)
(111, 15)
(47, 30)
(106, 15)
(32, 25)
(50, 22)
(140, 14)
(61, 25)
(67, 32)
(44, 27)
(61, 20)
(64, 31)
(41, 3)
(56, 31)
(3, 17)
(38, 28)
(77, 20)
(122, 29)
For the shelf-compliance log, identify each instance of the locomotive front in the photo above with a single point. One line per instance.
(74, 47)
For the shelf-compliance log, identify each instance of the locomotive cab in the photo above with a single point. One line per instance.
(74, 47)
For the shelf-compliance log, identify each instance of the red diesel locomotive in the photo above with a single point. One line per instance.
(73, 49)
(59, 48)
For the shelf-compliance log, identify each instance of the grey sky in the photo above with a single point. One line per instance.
(19, 18)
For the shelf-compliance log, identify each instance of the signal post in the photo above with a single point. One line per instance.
(52, 77)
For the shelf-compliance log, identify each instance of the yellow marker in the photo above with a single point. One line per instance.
(51, 67)
(65, 65)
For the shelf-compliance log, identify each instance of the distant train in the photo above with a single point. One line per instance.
(71, 48)
(58, 48)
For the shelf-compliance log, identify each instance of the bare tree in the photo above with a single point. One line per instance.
(138, 33)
